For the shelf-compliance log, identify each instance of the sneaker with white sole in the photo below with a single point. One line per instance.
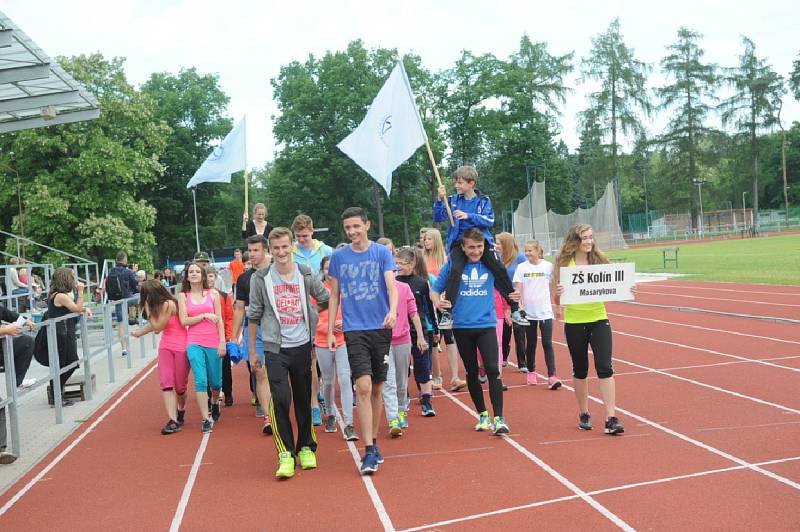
(445, 321)
(530, 379)
(613, 426)
(330, 424)
(519, 318)
(500, 426)
(585, 421)
(483, 422)
(553, 382)
(350, 433)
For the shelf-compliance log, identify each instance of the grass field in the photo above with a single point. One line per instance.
(771, 260)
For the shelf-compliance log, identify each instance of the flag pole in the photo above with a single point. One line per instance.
(246, 169)
(196, 231)
(439, 180)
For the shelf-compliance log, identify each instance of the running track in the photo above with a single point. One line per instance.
(709, 403)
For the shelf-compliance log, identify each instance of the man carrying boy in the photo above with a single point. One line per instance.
(280, 298)
(471, 209)
(362, 274)
(474, 325)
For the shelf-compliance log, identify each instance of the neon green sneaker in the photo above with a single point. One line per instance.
(394, 428)
(483, 422)
(500, 426)
(285, 465)
(403, 415)
(308, 458)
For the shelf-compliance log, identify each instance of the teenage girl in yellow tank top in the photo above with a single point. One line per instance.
(584, 325)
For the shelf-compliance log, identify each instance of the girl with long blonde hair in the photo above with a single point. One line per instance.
(587, 324)
(511, 257)
(433, 249)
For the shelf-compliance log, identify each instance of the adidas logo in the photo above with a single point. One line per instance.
(474, 280)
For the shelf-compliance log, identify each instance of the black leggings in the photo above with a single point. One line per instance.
(519, 342)
(546, 328)
(579, 337)
(468, 342)
(501, 279)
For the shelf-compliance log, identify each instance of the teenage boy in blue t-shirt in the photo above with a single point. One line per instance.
(474, 323)
(471, 210)
(362, 275)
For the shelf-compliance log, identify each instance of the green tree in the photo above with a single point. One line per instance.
(193, 105)
(794, 78)
(622, 91)
(757, 91)
(83, 182)
(320, 102)
(689, 98)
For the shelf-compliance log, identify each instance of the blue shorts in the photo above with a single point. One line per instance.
(245, 343)
(118, 310)
(206, 367)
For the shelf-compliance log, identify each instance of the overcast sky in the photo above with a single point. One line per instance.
(246, 42)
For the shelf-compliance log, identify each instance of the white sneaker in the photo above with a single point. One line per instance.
(26, 383)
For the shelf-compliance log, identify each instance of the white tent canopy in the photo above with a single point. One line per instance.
(35, 91)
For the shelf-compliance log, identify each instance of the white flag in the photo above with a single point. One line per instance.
(390, 133)
(229, 157)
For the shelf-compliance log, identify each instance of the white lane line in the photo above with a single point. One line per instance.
(695, 366)
(608, 514)
(704, 350)
(581, 440)
(718, 299)
(377, 503)
(701, 328)
(27, 487)
(177, 519)
(698, 443)
(760, 425)
(438, 453)
(712, 387)
(665, 480)
(670, 287)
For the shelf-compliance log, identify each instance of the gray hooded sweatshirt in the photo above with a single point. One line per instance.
(263, 309)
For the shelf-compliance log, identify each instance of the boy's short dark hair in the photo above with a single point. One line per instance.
(257, 239)
(355, 212)
(280, 232)
(466, 172)
(473, 233)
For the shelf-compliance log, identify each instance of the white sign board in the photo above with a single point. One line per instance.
(598, 282)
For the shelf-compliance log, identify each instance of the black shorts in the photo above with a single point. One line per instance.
(368, 353)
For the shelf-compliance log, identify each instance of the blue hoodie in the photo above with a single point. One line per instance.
(480, 214)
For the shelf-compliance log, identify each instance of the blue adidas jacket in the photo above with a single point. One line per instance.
(480, 213)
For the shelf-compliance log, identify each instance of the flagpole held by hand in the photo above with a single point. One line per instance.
(439, 181)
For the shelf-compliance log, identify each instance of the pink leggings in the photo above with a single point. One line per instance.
(173, 370)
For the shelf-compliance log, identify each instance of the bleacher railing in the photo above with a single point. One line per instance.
(87, 358)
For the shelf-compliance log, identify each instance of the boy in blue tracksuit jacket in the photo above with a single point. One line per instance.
(471, 209)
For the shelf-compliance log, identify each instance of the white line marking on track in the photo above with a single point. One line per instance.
(738, 291)
(711, 386)
(760, 425)
(377, 503)
(595, 492)
(704, 350)
(698, 443)
(735, 333)
(437, 453)
(608, 514)
(27, 487)
(177, 519)
(719, 299)
(581, 440)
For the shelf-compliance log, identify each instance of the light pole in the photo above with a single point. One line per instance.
(744, 211)
(700, 183)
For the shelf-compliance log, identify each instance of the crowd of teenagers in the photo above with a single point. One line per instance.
(369, 317)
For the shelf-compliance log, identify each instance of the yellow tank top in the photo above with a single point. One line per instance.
(584, 312)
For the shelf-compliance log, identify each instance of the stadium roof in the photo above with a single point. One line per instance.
(35, 91)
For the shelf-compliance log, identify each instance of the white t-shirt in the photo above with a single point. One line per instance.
(535, 279)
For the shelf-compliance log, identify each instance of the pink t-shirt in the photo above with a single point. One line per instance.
(204, 333)
(406, 306)
(173, 336)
